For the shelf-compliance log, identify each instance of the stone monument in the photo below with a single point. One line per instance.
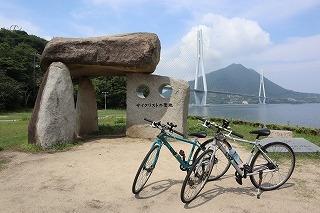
(56, 118)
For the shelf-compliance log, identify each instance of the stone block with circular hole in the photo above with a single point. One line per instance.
(157, 98)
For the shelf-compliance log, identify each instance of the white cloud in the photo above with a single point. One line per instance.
(224, 41)
(294, 64)
(293, 50)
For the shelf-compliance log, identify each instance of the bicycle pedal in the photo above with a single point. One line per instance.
(238, 178)
(182, 154)
(259, 195)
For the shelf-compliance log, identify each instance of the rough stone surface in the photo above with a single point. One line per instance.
(118, 54)
(280, 134)
(150, 107)
(297, 144)
(54, 119)
(86, 107)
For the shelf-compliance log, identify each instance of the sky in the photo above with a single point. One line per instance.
(280, 38)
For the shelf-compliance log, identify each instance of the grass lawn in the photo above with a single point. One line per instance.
(14, 126)
(13, 131)
(13, 134)
(111, 122)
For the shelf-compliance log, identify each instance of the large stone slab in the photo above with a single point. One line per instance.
(53, 119)
(117, 54)
(297, 144)
(155, 106)
(280, 134)
(86, 107)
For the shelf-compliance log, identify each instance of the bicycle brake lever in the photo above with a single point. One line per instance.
(153, 125)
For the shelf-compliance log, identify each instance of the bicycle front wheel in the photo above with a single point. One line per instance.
(221, 163)
(145, 170)
(275, 173)
(196, 177)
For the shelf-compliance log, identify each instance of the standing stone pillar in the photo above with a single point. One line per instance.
(162, 98)
(86, 108)
(53, 119)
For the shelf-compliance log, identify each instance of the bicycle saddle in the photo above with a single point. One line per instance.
(261, 132)
(199, 134)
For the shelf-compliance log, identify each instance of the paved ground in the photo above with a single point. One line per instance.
(97, 177)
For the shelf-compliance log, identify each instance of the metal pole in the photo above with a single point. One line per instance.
(204, 80)
(105, 100)
(197, 68)
(34, 72)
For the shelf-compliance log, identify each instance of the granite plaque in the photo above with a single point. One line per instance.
(297, 144)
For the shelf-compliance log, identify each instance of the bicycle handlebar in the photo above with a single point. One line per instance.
(146, 119)
(163, 126)
(207, 123)
(178, 133)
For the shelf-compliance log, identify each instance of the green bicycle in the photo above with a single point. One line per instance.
(149, 162)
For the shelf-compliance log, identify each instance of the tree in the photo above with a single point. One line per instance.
(20, 77)
(10, 93)
(116, 88)
(18, 66)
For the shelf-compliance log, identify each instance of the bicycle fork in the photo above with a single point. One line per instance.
(259, 186)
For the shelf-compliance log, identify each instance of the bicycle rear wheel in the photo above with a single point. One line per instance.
(196, 177)
(221, 163)
(273, 175)
(145, 170)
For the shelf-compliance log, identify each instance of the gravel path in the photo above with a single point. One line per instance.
(97, 177)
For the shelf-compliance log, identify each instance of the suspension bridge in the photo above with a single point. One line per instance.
(201, 94)
(191, 60)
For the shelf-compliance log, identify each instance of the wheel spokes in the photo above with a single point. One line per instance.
(277, 171)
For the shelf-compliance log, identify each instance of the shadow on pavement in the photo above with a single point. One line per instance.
(156, 188)
(218, 190)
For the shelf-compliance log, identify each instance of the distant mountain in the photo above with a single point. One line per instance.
(236, 78)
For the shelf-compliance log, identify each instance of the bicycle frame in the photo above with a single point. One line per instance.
(256, 148)
(162, 140)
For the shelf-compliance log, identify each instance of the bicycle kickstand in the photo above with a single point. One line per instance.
(259, 188)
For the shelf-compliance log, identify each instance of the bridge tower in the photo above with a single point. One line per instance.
(262, 91)
(200, 68)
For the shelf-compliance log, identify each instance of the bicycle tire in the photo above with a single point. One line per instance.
(216, 172)
(135, 190)
(269, 148)
(200, 161)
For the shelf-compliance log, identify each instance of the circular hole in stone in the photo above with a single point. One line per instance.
(165, 90)
(143, 91)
